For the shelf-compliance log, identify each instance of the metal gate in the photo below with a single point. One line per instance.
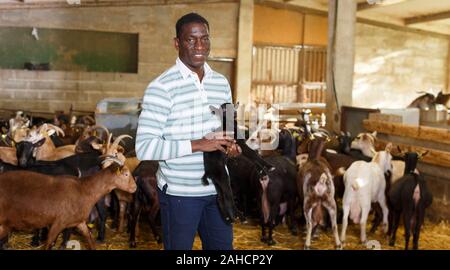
(289, 74)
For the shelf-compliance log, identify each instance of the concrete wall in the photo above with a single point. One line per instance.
(391, 65)
(288, 27)
(54, 90)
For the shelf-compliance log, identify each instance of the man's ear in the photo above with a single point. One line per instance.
(176, 43)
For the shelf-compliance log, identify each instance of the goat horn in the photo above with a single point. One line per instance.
(118, 139)
(108, 141)
(57, 129)
(100, 127)
(113, 159)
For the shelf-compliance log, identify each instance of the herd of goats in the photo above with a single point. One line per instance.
(67, 172)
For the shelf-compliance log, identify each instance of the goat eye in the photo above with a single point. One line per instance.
(213, 112)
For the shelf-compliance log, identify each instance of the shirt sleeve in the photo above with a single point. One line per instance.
(150, 144)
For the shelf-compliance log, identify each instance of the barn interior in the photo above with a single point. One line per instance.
(337, 65)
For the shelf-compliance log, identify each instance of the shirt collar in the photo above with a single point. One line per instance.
(185, 71)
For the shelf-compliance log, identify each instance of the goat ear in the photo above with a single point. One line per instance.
(374, 134)
(213, 109)
(96, 146)
(421, 155)
(388, 147)
(399, 150)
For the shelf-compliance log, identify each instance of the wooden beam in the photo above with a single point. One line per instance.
(434, 157)
(285, 5)
(438, 135)
(402, 28)
(366, 5)
(427, 18)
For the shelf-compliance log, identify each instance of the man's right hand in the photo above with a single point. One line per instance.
(212, 142)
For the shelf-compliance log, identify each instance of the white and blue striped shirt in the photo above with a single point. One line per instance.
(175, 110)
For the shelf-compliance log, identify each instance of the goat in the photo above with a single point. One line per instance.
(144, 199)
(315, 186)
(215, 162)
(28, 200)
(423, 102)
(364, 184)
(410, 196)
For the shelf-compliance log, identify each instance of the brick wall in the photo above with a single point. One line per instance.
(391, 65)
(57, 90)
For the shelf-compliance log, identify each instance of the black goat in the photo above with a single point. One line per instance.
(144, 199)
(215, 162)
(409, 196)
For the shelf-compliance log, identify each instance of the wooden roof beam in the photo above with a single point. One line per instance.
(427, 18)
(377, 3)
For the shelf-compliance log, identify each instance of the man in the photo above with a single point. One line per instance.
(175, 128)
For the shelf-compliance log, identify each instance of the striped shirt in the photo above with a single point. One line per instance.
(175, 110)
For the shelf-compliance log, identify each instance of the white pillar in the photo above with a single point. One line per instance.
(341, 34)
(244, 54)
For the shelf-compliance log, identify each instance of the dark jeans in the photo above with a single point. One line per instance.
(182, 217)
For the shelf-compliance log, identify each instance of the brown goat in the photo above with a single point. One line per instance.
(30, 200)
(315, 185)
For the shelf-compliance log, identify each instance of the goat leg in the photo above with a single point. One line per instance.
(101, 209)
(419, 221)
(309, 227)
(407, 223)
(36, 240)
(122, 210)
(3, 236)
(66, 236)
(346, 210)
(135, 210)
(395, 222)
(55, 229)
(292, 221)
(331, 207)
(84, 230)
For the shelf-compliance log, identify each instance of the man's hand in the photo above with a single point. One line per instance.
(213, 141)
(234, 150)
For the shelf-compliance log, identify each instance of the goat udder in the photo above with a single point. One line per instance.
(416, 195)
(355, 212)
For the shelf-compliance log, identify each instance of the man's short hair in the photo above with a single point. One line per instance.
(189, 18)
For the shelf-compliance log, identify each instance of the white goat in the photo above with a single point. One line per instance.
(365, 184)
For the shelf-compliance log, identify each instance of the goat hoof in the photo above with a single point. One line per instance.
(35, 243)
(294, 232)
(132, 244)
(391, 243)
(307, 247)
(100, 241)
(263, 239)
(270, 242)
(339, 247)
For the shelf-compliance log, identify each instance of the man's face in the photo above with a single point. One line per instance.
(193, 45)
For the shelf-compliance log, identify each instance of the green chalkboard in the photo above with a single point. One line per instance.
(69, 50)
